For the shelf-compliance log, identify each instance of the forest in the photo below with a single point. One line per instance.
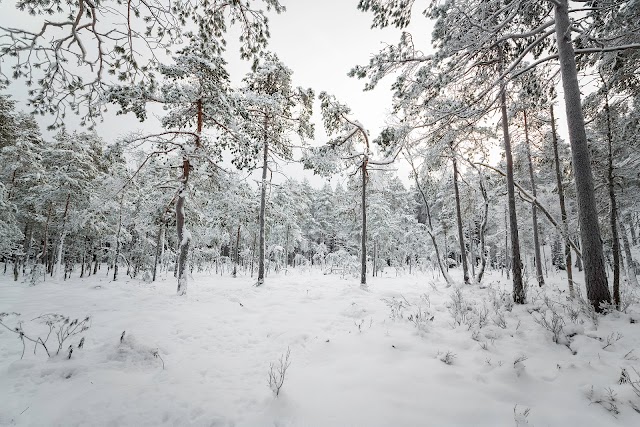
(475, 262)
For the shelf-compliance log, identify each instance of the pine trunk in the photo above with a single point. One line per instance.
(534, 209)
(613, 214)
(263, 207)
(463, 252)
(563, 208)
(631, 265)
(516, 263)
(184, 238)
(483, 230)
(443, 268)
(595, 274)
(363, 241)
(159, 245)
(115, 259)
(286, 250)
(63, 234)
(236, 258)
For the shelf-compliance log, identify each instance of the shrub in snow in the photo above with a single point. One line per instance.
(520, 417)
(397, 307)
(460, 310)
(132, 352)
(278, 371)
(418, 315)
(37, 275)
(62, 327)
(420, 318)
(554, 323)
(634, 382)
(500, 320)
(587, 309)
(606, 399)
(611, 339)
(447, 357)
(628, 297)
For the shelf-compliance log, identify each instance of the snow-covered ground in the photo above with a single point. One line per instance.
(391, 356)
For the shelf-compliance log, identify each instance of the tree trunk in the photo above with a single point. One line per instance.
(363, 242)
(483, 229)
(463, 252)
(516, 263)
(632, 229)
(286, 250)
(83, 259)
(46, 238)
(375, 258)
(613, 214)
(563, 209)
(263, 207)
(95, 265)
(159, 245)
(471, 253)
(184, 236)
(443, 268)
(253, 253)
(63, 234)
(631, 265)
(534, 209)
(236, 259)
(115, 259)
(595, 274)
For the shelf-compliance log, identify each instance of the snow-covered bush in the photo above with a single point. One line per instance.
(62, 327)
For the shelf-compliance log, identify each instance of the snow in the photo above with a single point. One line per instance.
(354, 360)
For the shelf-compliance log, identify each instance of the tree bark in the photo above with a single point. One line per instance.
(563, 209)
(595, 274)
(613, 214)
(363, 242)
(263, 206)
(63, 234)
(516, 263)
(236, 259)
(534, 210)
(159, 245)
(115, 259)
(286, 250)
(631, 265)
(483, 228)
(463, 252)
(184, 236)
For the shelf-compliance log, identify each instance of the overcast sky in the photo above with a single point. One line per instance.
(319, 40)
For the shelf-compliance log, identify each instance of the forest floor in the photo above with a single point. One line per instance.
(407, 352)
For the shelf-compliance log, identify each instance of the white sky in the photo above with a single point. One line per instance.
(320, 41)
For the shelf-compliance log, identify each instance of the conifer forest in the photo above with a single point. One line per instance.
(320, 213)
